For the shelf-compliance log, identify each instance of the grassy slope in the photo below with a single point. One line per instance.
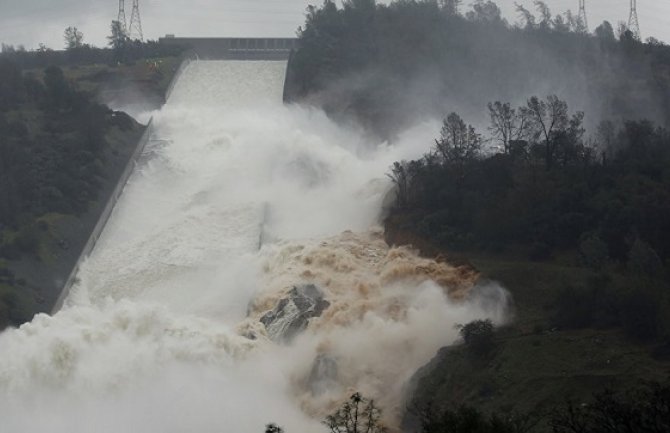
(535, 366)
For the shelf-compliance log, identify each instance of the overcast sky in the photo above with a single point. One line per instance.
(30, 22)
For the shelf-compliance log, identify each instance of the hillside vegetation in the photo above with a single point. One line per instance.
(61, 153)
(385, 66)
(550, 175)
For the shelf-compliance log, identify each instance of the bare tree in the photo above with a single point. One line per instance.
(400, 177)
(458, 142)
(545, 13)
(526, 15)
(547, 118)
(507, 124)
(358, 415)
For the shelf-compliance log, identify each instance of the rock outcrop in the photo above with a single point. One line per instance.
(292, 313)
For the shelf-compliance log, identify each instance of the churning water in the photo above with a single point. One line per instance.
(237, 200)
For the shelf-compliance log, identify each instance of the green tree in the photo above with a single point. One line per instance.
(73, 38)
(594, 252)
(485, 11)
(643, 260)
(605, 31)
(478, 337)
(118, 40)
(451, 7)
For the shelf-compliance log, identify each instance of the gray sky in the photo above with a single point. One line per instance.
(30, 22)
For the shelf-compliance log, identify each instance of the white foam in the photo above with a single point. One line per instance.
(148, 341)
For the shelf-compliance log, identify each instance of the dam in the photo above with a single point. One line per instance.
(236, 48)
(237, 201)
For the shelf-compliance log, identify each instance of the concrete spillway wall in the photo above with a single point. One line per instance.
(104, 218)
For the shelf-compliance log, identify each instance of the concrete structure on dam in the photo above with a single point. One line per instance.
(236, 48)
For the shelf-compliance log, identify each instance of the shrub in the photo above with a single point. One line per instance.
(641, 316)
(540, 251)
(643, 260)
(470, 420)
(593, 252)
(643, 410)
(479, 337)
(574, 308)
(27, 240)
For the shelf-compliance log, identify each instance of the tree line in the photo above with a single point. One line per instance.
(643, 409)
(536, 186)
(387, 65)
(120, 49)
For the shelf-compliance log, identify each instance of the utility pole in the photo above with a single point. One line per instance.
(122, 15)
(582, 15)
(633, 23)
(135, 30)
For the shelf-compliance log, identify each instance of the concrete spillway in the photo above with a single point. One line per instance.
(185, 205)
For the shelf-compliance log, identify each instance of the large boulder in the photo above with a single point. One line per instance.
(292, 313)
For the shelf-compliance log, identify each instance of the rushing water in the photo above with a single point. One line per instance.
(237, 200)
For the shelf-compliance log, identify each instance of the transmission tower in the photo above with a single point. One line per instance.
(633, 23)
(582, 15)
(122, 15)
(135, 29)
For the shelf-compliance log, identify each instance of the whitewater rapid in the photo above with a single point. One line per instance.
(236, 200)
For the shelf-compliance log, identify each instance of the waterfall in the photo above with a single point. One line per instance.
(237, 201)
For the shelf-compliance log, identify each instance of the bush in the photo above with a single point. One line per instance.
(597, 305)
(540, 252)
(593, 252)
(641, 316)
(479, 338)
(643, 260)
(13, 308)
(645, 410)
(470, 420)
(27, 241)
(574, 308)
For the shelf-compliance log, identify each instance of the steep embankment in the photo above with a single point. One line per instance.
(537, 363)
(74, 151)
